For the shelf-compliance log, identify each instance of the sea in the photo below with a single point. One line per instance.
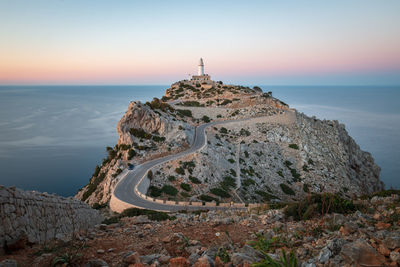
(52, 137)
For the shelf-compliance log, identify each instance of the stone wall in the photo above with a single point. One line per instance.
(37, 217)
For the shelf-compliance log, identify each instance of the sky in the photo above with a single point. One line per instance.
(302, 42)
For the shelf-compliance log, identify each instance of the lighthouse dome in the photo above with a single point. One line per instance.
(201, 62)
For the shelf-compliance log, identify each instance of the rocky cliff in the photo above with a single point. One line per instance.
(267, 153)
(29, 216)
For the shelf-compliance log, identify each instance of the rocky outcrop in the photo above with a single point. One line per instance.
(141, 116)
(29, 216)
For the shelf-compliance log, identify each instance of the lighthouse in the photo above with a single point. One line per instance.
(200, 71)
(201, 76)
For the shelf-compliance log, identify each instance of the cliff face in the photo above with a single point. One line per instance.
(145, 131)
(272, 154)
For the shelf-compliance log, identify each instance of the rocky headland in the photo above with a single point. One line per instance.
(269, 152)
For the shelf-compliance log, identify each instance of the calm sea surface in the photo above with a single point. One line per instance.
(52, 137)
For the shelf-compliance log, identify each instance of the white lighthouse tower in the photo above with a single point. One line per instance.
(201, 76)
(200, 71)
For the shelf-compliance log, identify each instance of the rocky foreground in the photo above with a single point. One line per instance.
(365, 233)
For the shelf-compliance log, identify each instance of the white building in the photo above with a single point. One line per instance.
(200, 73)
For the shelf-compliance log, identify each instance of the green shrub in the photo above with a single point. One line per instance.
(184, 112)
(320, 204)
(206, 119)
(171, 178)
(287, 163)
(117, 172)
(158, 139)
(169, 190)
(157, 104)
(151, 214)
(180, 171)
(192, 104)
(207, 198)
(131, 153)
(286, 260)
(225, 102)
(98, 206)
(220, 192)
(223, 130)
(140, 133)
(295, 174)
(96, 171)
(287, 190)
(185, 187)
(154, 191)
(231, 161)
(228, 182)
(244, 132)
(266, 196)
(294, 146)
(280, 173)
(247, 182)
(194, 180)
(150, 174)
(111, 153)
(233, 172)
(94, 182)
(124, 147)
(189, 164)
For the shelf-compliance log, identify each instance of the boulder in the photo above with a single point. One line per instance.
(131, 258)
(392, 241)
(324, 255)
(361, 253)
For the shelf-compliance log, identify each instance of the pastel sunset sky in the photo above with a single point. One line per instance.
(341, 42)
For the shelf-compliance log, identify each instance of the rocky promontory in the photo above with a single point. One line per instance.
(267, 153)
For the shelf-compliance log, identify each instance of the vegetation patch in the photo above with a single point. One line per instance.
(192, 104)
(94, 182)
(207, 198)
(266, 196)
(184, 113)
(180, 171)
(287, 189)
(294, 146)
(158, 104)
(140, 133)
(206, 119)
(194, 180)
(131, 153)
(185, 187)
(220, 192)
(133, 212)
(169, 190)
(320, 204)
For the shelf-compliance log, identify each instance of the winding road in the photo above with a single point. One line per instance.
(125, 189)
(126, 193)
